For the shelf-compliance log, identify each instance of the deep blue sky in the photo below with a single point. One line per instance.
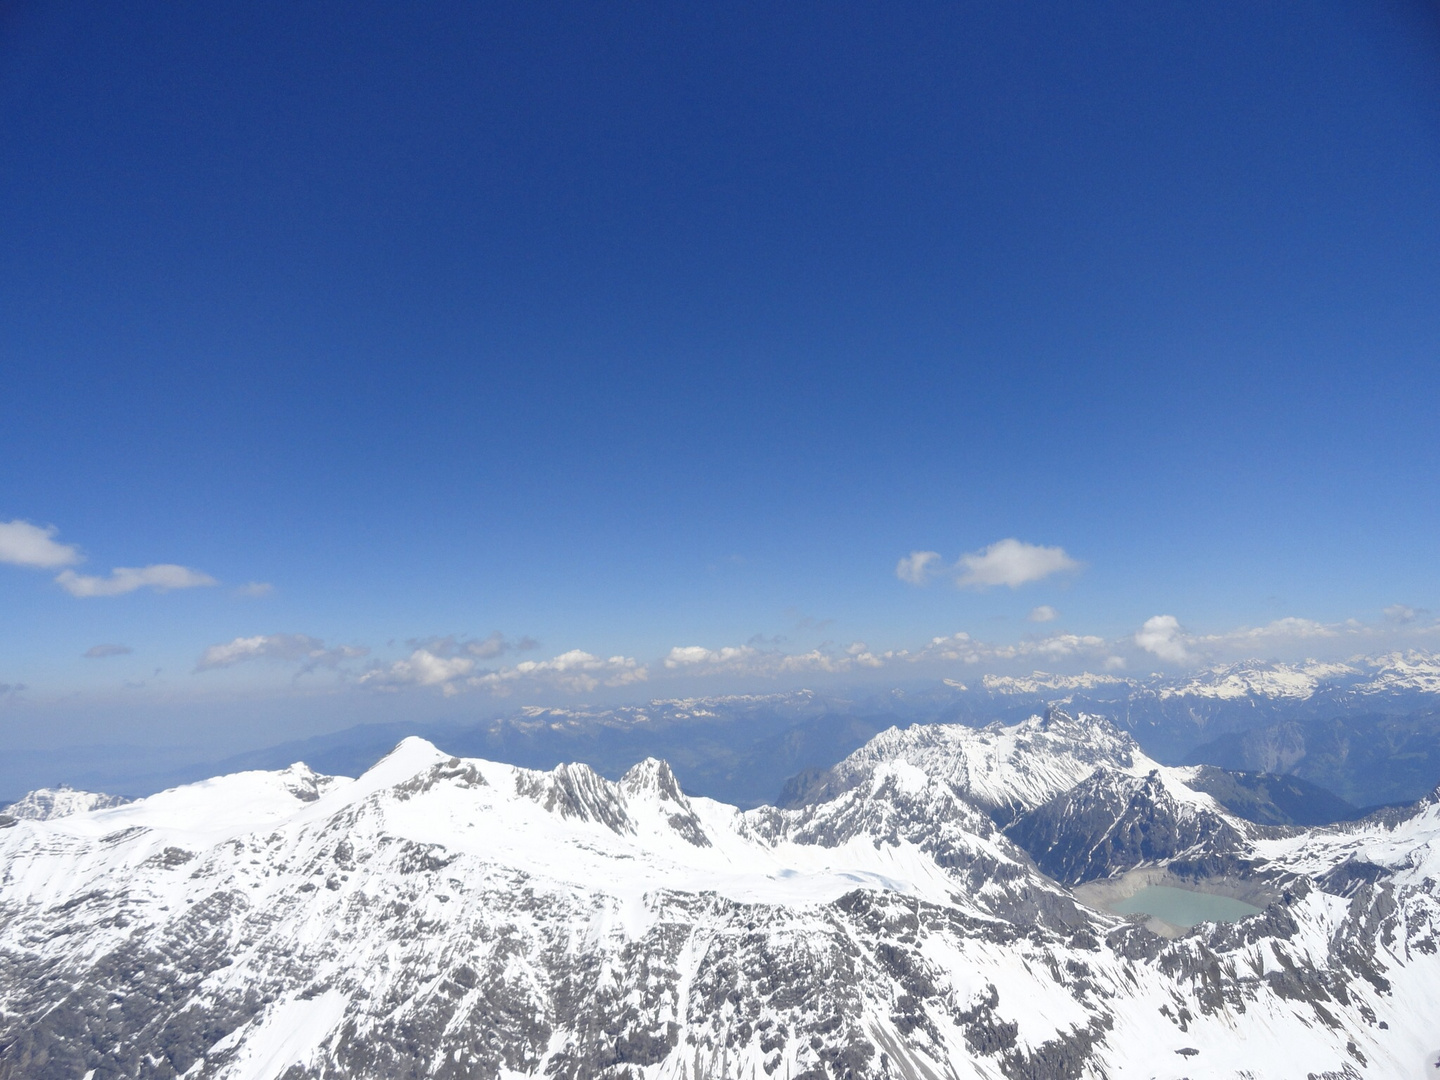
(651, 325)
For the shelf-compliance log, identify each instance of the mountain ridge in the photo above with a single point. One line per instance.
(443, 916)
(745, 748)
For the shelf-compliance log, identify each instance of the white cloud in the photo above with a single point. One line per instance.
(99, 652)
(423, 668)
(820, 661)
(1013, 563)
(255, 589)
(965, 649)
(1163, 636)
(1283, 629)
(1043, 613)
(860, 653)
(285, 648)
(767, 663)
(1060, 646)
(575, 671)
(24, 544)
(691, 655)
(918, 567)
(162, 577)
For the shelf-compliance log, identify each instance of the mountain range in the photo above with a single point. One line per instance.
(1348, 736)
(946, 901)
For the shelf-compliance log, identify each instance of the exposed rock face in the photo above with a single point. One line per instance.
(444, 917)
(1112, 822)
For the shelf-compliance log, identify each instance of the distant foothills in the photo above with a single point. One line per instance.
(1347, 737)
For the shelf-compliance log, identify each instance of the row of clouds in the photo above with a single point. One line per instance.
(447, 664)
(1008, 562)
(453, 666)
(36, 547)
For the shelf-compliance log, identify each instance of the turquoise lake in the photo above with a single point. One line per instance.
(1181, 907)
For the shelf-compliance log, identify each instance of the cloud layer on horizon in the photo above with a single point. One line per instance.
(457, 664)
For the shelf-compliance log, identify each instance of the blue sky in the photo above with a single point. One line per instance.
(679, 326)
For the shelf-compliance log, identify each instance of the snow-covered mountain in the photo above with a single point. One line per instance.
(448, 917)
(1041, 682)
(1003, 770)
(747, 748)
(42, 804)
(1409, 672)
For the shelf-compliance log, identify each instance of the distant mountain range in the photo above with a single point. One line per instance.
(1366, 731)
(941, 903)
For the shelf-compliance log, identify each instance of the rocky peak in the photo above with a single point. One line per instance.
(652, 776)
(576, 791)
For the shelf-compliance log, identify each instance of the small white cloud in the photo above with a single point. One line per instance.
(285, 648)
(575, 670)
(255, 589)
(161, 577)
(424, 668)
(918, 567)
(1276, 634)
(691, 655)
(1163, 636)
(1289, 627)
(260, 647)
(1114, 663)
(1012, 563)
(1043, 613)
(1058, 646)
(820, 661)
(965, 649)
(99, 652)
(24, 544)
(767, 663)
